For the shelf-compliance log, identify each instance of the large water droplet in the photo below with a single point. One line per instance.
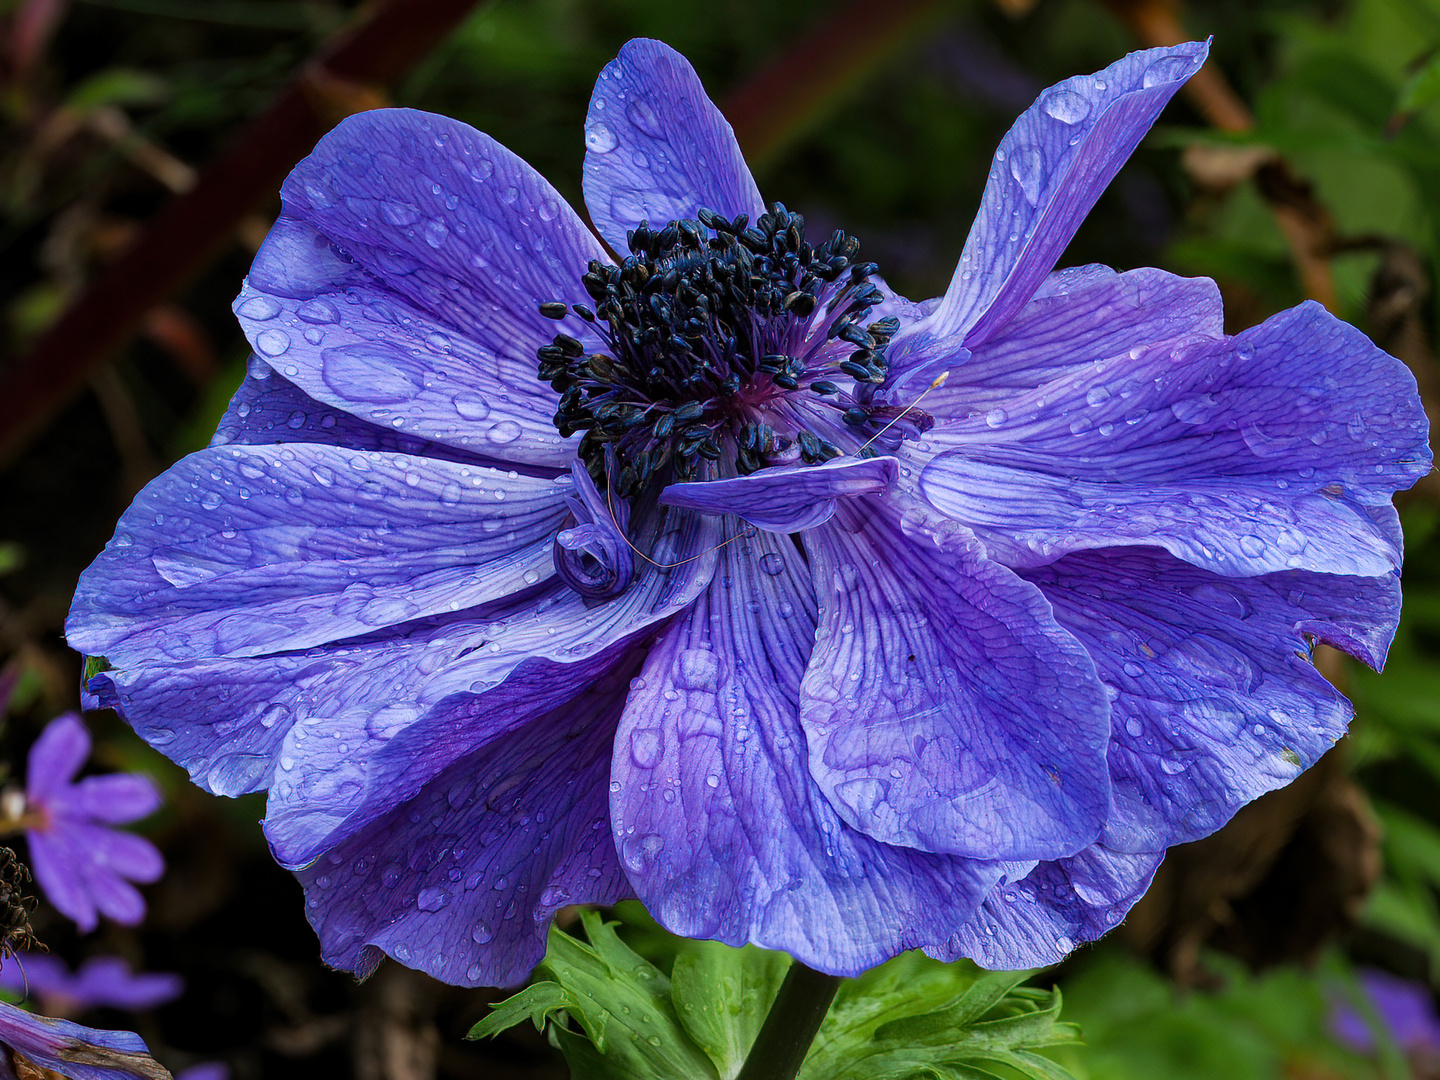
(321, 312)
(399, 213)
(482, 934)
(272, 342)
(503, 433)
(642, 114)
(371, 372)
(1027, 167)
(772, 563)
(1169, 70)
(698, 669)
(647, 745)
(1066, 106)
(995, 417)
(640, 851)
(258, 307)
(432, 899)
(599, 138)
(471, 405)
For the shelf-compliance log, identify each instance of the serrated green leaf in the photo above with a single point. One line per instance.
(722, 996)
(536, 1003)
(621, 1003)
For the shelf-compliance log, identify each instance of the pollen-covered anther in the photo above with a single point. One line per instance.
(709, 329)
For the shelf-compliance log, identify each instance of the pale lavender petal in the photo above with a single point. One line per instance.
(403, 280)
(248, 550)
(787, 498)
(1038, 920)
(118, 799)
(79, 1053)
(62, 873)
(656, 147)
(1244, 456)
(943, 707)
(35, 974)
(721, 829)
(462, 880)
(1214, 700)
(1049, 170)
(56, 757)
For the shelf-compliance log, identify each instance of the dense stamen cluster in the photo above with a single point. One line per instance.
(710, 328)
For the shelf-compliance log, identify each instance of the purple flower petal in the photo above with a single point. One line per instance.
(789, 498)
(402, 283)
(109, 981)
(1078, 317)
(721, 829)
(1243, 456)
(348, 690)
(118, 799)
(1214, 699)
(56, 757)
(656, 147)
(1050, 168)
(77, 1052)
(943, 707)
(1037, 921)
(248, 550)
(462, 881)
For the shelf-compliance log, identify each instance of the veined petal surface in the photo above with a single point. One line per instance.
(1243, 456)
(720, 827)
(943, 707)
(657, 148)
(403, 280)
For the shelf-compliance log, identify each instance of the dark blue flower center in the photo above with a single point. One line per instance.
(726, 349)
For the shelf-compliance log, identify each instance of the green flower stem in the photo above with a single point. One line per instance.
(790, 1027)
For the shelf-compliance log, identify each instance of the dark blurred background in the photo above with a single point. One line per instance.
(141, 146)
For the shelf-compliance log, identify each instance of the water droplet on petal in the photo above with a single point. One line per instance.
(507, 431)
(259, 307)
(1168, 70)
(432, 899)
(647, 745)
(995, 417)
(471, 405)
(482, 934)
(599, 138)
(272, 342)
(772, 563)
(399, 213)
(1066, 106)
(642, 114)
(371, 372)
(1027, 167)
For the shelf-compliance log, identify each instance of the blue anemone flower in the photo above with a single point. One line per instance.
(520, 576)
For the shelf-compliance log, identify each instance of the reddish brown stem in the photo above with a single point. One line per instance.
(388, 39)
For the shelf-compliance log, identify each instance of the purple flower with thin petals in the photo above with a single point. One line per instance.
(84, 866)
(68, 1049)
(100, 982)
(726, 578)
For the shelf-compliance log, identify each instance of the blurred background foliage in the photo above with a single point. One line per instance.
(1307, 165)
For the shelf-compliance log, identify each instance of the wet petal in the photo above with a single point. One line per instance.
(1079, 317)
(402, 283)
(787, 498)
(943, 707)
(720, 826)
(1049, 170)
(1037, 921)
(656, 147)
(462, 880)
(1214, 698)
(1244, 456)
(241, 551)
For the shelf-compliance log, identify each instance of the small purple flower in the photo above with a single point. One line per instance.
(812, 616)
(84, 866)
(100, 982)
(68, 1049)
(1406, 1008)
